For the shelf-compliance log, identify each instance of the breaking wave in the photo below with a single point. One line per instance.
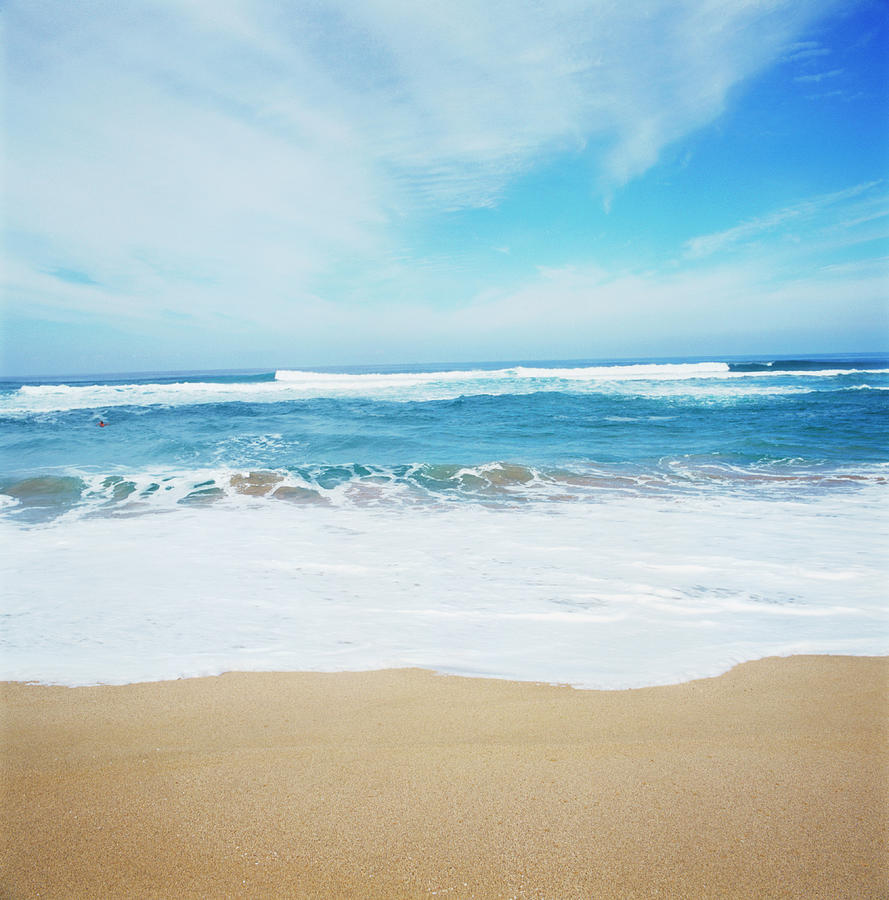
(719, 379)
(495, 484)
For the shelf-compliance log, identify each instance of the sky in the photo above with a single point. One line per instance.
(223, 184)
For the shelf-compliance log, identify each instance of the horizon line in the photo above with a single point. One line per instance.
(270, 370)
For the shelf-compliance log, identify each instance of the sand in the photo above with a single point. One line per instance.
(769, 781)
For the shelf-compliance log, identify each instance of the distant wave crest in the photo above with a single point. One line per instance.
(702, 379)
(667, 371)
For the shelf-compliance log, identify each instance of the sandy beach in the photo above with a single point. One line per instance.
(770, 780)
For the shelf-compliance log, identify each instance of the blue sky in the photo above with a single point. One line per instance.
(246, 183)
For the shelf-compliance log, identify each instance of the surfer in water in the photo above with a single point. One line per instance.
(102, 424)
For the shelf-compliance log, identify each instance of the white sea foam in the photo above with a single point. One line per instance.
(713, 380)
(126, 492)
(659, 371)
(616, 594)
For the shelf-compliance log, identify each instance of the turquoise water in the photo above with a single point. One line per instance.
(488, 432)
(596, 523)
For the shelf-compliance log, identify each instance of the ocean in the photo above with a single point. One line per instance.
(605, 524)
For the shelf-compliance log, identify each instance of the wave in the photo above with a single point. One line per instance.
(808, 365)
(495, 484)
(653, 380)
(646, 371)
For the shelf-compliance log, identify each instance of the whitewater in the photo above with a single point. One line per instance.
(651, 380)
(605, 524)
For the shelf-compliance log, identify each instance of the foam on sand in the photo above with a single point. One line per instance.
(564, 593)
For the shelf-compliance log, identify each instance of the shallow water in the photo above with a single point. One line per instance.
(602, 525)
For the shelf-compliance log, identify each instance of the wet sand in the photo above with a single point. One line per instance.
(770, 781)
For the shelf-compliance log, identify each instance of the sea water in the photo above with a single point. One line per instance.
(600, 523)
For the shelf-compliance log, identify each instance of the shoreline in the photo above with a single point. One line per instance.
(768, 780)
(6, 683)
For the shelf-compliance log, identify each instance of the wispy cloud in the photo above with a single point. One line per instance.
(587, 311)
(834, 203)
(226, 156)
(724, 306)
(806, 50)
(150, 126)
(819, 76)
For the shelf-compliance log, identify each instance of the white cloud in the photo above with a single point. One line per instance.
(580, 312)
(220, 157)
(748, 305)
